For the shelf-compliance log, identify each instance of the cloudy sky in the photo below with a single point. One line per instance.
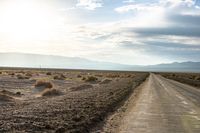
(138, 32)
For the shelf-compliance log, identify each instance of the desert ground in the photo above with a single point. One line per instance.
(83, 101)
(62, 100)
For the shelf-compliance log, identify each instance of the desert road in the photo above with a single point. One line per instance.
(164, 106)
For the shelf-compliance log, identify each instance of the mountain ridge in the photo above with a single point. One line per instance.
(54, 61)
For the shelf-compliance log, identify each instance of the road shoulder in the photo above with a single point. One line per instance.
(113, 122)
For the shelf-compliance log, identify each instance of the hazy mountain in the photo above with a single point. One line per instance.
(50, 61)
(176, 66)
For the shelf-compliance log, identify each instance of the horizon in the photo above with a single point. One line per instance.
(39, 61)
(19, 53)
(132, 32)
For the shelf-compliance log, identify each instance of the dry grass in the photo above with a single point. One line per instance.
(112, 75)
(79, 76)
(59, 77)
(48, 73)
(91, 79)
(28, 75)
(51, 92)
(44, 84)
(20, 76)
(197, 78)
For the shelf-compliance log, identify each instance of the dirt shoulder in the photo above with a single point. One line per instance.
(113, 122)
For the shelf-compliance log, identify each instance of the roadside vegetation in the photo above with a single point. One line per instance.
(192, 79)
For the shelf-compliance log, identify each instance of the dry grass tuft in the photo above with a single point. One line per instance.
(113, 76)
(91, 79)
(43, 84)
(59, 77)
(28, 75)
(79, 76)
(51, 92)
(48, 73)
(197, 78)
(20, 76)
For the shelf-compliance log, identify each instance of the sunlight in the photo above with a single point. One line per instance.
(26, 21)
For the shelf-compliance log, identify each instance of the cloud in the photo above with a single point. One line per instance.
(128, 1)
(137, 7)
(176, 31)
(89, 4)
(185, 20)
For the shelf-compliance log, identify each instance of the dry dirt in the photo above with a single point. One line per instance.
(192, 79)
(79, 107)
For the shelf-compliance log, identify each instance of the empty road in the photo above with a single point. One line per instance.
(164, 106)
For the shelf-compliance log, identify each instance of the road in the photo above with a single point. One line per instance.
(164, 106)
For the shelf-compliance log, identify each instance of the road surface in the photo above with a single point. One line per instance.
(164, 106)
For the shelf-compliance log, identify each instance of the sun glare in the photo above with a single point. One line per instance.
(25, 20)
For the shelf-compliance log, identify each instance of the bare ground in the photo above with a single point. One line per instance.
(80, 107)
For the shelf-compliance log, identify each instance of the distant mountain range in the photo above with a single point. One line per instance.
(51, 61)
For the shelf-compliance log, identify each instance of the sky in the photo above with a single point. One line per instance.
(135, 32)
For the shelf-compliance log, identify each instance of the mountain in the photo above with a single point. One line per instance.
(175, 67)
(51, 61)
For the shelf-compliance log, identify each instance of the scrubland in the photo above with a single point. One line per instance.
(61, 100)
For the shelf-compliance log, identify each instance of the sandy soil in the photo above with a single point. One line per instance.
(82, 104)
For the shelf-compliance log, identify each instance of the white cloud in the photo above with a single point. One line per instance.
(128, 1)
(90, 4)
(177, 3)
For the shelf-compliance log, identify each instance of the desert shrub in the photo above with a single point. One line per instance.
(112, 76)
(173, 75)
(28, 75)
(23, 72)
(91, 79)
(99, 75)
(84, 78)
(59, 77)
(51, 92)
(44, 84)
(12, 74)
(19, 76)
(197, 78)
(0, 72)
(48, 73)
(18, 93)
(79, 76)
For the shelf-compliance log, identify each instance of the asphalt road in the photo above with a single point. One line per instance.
(164, 106)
